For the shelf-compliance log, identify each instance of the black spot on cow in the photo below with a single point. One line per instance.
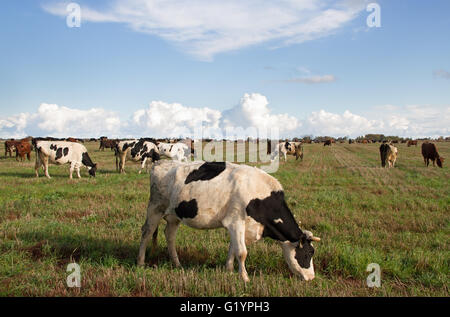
(153, 155)
(187, 209)
(127, 145)
(53, 147)
(287, 145)
(59, 153)
(304, 254)
(66, 151)
(207, 171)
(86, 160)
(267, 210)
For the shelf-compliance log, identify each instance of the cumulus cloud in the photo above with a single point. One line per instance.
(163, 119)
(208, 27)
(60, 121)
(251, 115)
(253, 111)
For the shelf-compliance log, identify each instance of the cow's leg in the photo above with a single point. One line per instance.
(142, 164)
(45, 162)
(122, 162)
(230, 260)
(72, 167)
(237, 235)
(78, 171)
(37, 164)
(154, 215)
(171, 232)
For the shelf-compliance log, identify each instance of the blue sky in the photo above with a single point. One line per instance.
(121, 69)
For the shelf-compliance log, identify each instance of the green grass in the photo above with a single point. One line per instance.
(398, 218)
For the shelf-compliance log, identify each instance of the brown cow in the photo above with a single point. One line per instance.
(109, 144)
(327, 142)
(10, 146)
(411, 142)
(22, 149)
(429, 152)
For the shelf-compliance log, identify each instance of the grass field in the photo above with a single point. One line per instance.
(398, 218)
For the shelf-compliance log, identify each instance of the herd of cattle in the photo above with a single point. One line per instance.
(245, 200)
(148, 150)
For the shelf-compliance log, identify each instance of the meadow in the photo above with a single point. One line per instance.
(398, 218)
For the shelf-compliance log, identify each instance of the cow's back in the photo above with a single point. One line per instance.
(209, 190)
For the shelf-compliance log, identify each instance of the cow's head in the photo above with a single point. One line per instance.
(92, 170)
(155, 156)
(298, 255)
(439, 161)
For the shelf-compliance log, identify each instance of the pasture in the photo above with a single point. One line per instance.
(398, 218)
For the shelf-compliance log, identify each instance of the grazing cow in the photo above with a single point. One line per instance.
(350, 141)
(429, 152)
(10, 146)
(109, 144)
(291, 148)
(388, 154)
(327, 142)
(135, 150)
(175, 151)
(62, 152)
(245, 200)
(411, 142)
(22, 149)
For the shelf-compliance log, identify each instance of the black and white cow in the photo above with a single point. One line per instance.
(175, 151)
(245, 200)
(137, 151)
(62, 152)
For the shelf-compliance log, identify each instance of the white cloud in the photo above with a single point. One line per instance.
(441, 73)
(60, 121)
(208, 27)
(161, 119)
(253, 111)
(317, 79)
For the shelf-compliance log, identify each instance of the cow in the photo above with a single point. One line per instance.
(245, 200)
(350, 141)
(327, 142)
(22, 149)
(10, 147)
(109, 144)
(388, 154)
(411, 142)
(175, 151)
(429, 152)
(137, 151)
(62, 152)
(291, 148)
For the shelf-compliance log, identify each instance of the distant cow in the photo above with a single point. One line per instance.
(411, 142)
(350, 141)
(62, 152)
(22, 149)
(10, 147)
(388, 154)
(175, 151)
(137, 151)
(429, 152)
(291, 148)
(108, 144)
(327, 142)
(245, 200)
